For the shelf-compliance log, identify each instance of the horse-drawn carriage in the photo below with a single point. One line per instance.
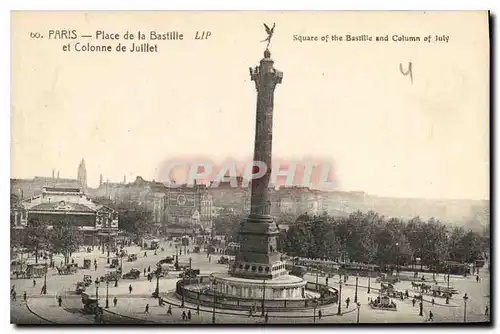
(223, 260)
(35, 270)
(68, 269)
(435, 290)
(132, 257)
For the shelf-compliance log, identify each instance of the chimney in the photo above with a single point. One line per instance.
(124, 179)
(100, 180)
(58, 175)
(53, 172)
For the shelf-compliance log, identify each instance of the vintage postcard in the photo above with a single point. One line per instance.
(250, 167)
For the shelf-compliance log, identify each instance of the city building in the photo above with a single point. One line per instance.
(96, 222)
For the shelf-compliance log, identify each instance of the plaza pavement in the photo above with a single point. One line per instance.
(131, 306)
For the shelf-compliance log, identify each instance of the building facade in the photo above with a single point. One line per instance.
(96, 222)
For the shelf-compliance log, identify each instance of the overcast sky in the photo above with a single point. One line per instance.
(126, 114)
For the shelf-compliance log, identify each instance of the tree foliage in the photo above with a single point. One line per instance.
(134, 219)
(228, 223)
(65, 238)
(35, 237)
(371, 238)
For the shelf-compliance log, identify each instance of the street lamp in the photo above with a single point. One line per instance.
(340, 297)
(397, 259)
(214, 287)
(356, 290)
(369, 276)
(97, 290)
(107, 294)
(315, 304)
(448, 288)
(359, 306)
(122, 254)
(45, 277)
(465, 307)
(158, 274)
(317, 276)
(421, 305)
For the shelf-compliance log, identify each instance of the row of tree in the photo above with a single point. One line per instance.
(63, 238)
(372, 238)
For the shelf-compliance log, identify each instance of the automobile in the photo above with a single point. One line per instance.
(90, 305)
(298, 271)
(110, 276)
(167, 260)
(132, 274)
(87, 280)
(189, 273)
(114, 263)
(80, 288)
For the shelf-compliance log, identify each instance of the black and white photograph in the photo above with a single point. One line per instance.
(250, 167)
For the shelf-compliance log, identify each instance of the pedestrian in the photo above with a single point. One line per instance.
(431, 316)
(14, 296)
(149, 269)
(347, 301)
(266, 318)
(209, 259)
(486, 310)
(59, 301)
(198, 309)
(183, 315)
(34, 282)
(145, 254)
(477, 279)
(413, 302)
(189, 314)
(319, 314)
(13, 289)
(130, 289)
(169, 310)
(95, 266)
(433, 301)
(115, 301)
(146, 310)
(72, 261)
(25, 297)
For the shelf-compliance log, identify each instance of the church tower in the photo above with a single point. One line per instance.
(82, 174)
